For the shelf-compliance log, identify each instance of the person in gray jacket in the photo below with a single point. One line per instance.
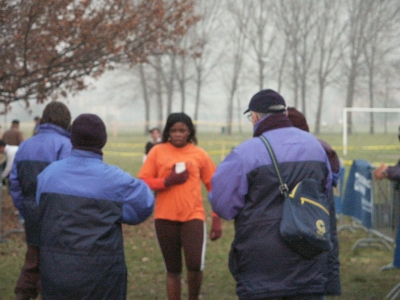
(245, 188)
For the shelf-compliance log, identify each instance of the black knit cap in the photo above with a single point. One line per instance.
(88, 132)
(264, 99)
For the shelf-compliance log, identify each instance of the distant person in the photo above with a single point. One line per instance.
(155, 135)
(388, 172)
(83, 203)
(391, 173)
(384, 171)
(36, 121)
(175, 168)
(13, 136)
(245, 187)
(9, 152)
(50, 144)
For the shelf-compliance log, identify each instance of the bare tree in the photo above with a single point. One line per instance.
(146, 98)
(200, 55)
(381, 33)
(237, 46)
(261, 36)
(287, 16)
(298, 20)
(279, 65)
(159, 89)
(328, 51)
(158, 74)
(169, 81)
(181, 72)
(357, 12)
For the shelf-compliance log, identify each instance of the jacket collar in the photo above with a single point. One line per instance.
(274, 121)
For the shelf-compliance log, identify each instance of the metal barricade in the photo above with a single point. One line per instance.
(369, 203)
(384, 222)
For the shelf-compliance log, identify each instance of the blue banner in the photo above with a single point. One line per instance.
(357, 201)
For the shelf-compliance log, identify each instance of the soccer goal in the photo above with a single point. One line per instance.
(347, 110)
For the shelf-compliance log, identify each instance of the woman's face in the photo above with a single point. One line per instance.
(178, 134)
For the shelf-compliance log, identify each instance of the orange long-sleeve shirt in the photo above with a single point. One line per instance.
(182, 202)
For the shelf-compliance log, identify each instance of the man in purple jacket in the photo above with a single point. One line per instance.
(245, 188)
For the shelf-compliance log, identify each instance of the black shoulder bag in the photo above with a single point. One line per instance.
(305, 225)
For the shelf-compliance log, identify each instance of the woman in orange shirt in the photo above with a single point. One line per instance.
(175, 169)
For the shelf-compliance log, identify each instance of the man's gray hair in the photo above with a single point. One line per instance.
(274, 107)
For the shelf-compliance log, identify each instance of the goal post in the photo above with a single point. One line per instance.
(346, 110)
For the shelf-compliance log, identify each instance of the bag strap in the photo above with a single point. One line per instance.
(283, 188)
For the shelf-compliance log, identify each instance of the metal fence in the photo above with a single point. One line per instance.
(373, 206)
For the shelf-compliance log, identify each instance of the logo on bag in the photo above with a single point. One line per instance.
(321, 229)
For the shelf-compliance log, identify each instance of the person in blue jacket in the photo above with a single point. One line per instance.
(51, 143)
(83, 203)
(245, 188)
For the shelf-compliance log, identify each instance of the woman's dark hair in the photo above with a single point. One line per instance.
(179, 117)
(56, 113)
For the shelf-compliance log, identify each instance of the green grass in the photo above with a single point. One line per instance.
(360, 269)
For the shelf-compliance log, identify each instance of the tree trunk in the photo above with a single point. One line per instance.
(146, 99)
(159, 92)
(350, 98)
(319, 108)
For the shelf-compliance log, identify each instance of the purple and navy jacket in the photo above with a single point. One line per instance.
(245, 188)
(51, 143)
(83, 203)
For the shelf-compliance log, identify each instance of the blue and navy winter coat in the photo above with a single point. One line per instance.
(245, 188)
(82, 204)
(34, 154)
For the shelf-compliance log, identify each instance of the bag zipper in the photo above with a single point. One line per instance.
(303, 200)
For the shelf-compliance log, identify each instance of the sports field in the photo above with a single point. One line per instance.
(360, 274)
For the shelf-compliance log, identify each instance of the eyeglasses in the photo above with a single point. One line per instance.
(250, 117)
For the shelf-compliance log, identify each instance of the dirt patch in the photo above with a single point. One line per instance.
(10, 226)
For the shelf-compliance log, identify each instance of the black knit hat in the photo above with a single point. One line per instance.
(88, 132)
(266, 101)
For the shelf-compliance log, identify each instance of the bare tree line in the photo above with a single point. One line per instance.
(299, 46)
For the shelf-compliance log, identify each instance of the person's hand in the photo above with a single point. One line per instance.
(380, 172)
(176, 178)
(216, 228)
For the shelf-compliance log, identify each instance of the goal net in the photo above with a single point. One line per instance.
(384, 121)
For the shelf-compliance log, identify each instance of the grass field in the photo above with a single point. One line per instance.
(360, 270)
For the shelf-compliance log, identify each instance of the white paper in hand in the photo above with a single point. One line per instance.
(180, 167)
